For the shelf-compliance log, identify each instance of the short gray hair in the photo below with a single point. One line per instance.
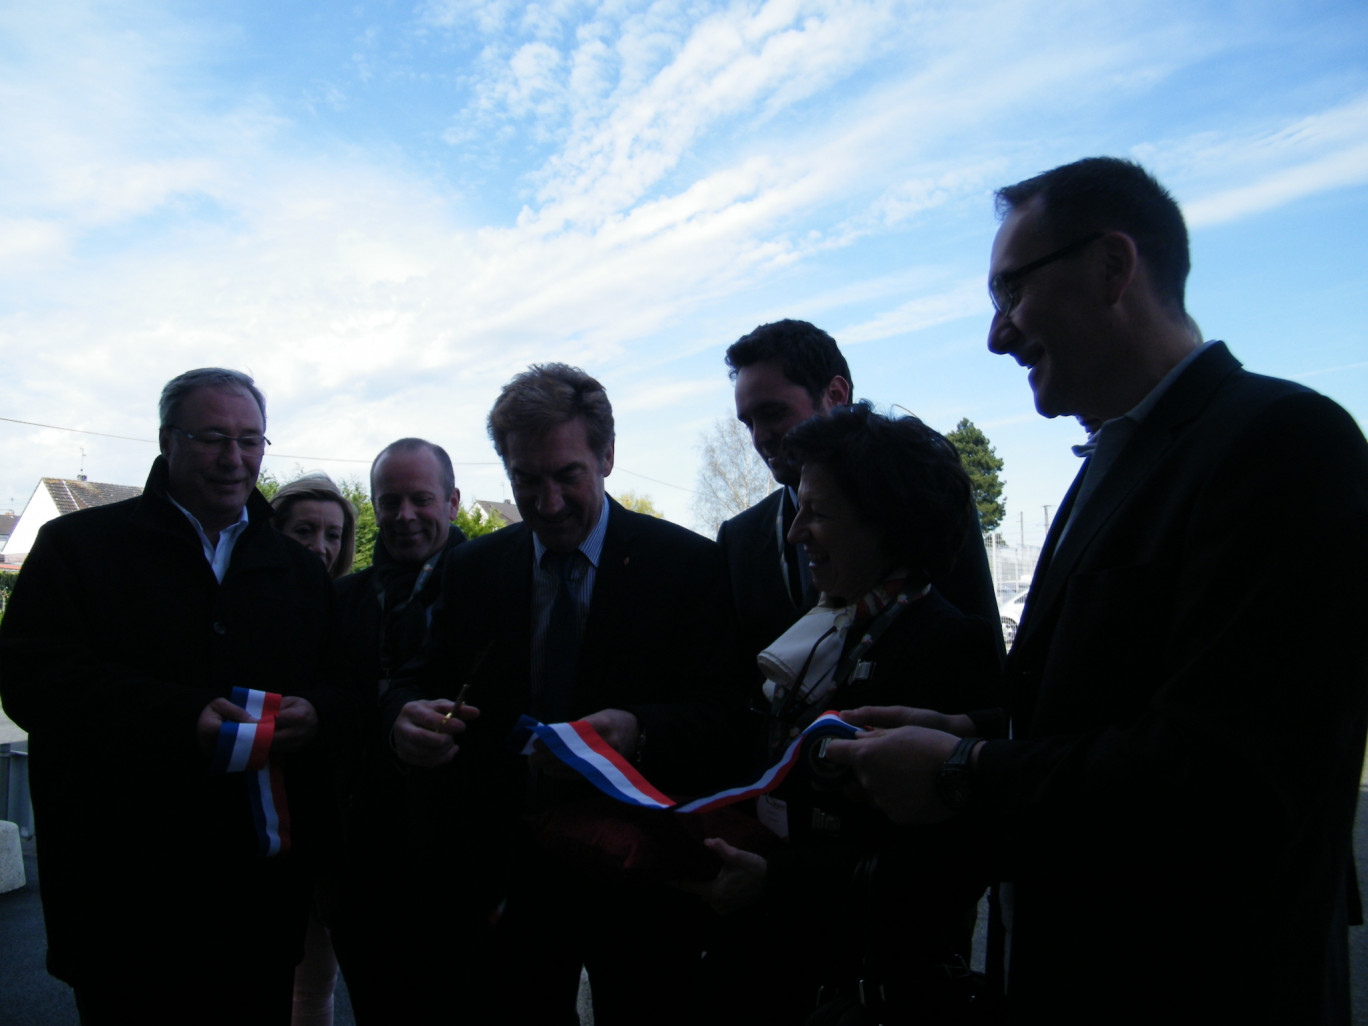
(207, 377)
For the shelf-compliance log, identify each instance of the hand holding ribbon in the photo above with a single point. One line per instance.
(579, 746)
(247, 727)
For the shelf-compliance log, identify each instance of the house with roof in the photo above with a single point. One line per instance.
(505, 511)
(54, 497)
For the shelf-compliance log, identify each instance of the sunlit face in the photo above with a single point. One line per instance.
(846, 555)
(1047, 331)
(318, 526)
(557, 482)
(212, 481)
(769, 405)
(413, 510)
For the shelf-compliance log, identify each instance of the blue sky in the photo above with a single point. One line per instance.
(385, 210)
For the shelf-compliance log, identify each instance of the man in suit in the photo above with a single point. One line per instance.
(1172, 807)
(390, 815)
(786, 372)
(584, 610)
(176, 882)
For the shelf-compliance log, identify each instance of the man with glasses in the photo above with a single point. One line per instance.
(1172, 800)
(164, 654)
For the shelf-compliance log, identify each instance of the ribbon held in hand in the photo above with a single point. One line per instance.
(245, 748)
(580, 747)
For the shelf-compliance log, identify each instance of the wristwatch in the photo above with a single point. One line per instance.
(955, 784)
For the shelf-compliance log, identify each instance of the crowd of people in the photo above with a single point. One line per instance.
(251, 766)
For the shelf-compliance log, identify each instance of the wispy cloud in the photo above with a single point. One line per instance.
(1239, 173)
(964, 299)
(385, 228)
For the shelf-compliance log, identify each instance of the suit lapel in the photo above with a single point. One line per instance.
(513, 601)
(771, 566)
(1143, 456)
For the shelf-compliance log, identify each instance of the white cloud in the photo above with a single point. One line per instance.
(966, 299)
(678, 163)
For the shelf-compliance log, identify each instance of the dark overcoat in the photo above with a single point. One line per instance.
(116, 638)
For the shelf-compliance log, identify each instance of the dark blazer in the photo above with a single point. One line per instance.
(116, 638)
(655, 643)
(765, 605)
(1188, 700)
(918, 909)
(932, 656)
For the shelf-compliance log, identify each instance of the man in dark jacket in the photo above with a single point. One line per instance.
(786, 372)
(583, 611)
(393, 821)
(1174, 805)
(175, 880)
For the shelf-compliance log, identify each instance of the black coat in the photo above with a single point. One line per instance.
(656, 642)
(115, 639)
(1189, 698)
(915, 909)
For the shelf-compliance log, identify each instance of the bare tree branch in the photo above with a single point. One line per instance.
(731, 476)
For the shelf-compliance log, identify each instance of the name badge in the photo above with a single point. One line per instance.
(773, 814)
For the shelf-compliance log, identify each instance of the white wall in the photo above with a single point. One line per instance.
(39, 511)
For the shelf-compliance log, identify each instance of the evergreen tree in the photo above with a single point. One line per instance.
(983, 466)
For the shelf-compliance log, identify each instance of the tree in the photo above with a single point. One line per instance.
(366, 530)
(476, 522)
(639, 504)
(268, 484)
(7, 579)
(471, 521)
(731, 477)
(982, 465)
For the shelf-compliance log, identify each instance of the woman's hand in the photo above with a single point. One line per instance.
(901, 716)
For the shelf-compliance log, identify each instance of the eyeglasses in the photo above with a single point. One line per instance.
(1003, 290)
(250, 444)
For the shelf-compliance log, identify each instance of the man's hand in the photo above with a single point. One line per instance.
(296, 725)
(898, 769)
(424, 731)
(901, 716)
(617, 727)
(739, 884)
(212, 717)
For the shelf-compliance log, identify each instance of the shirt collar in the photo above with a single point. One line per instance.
(234, 528)
(1142, 409)
(591, 547)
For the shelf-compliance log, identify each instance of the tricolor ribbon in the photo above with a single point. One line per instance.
(245, 748)
(579, 746)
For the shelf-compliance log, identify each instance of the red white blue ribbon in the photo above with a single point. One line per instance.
(245, 748)
(579, 746)
(829, 724)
